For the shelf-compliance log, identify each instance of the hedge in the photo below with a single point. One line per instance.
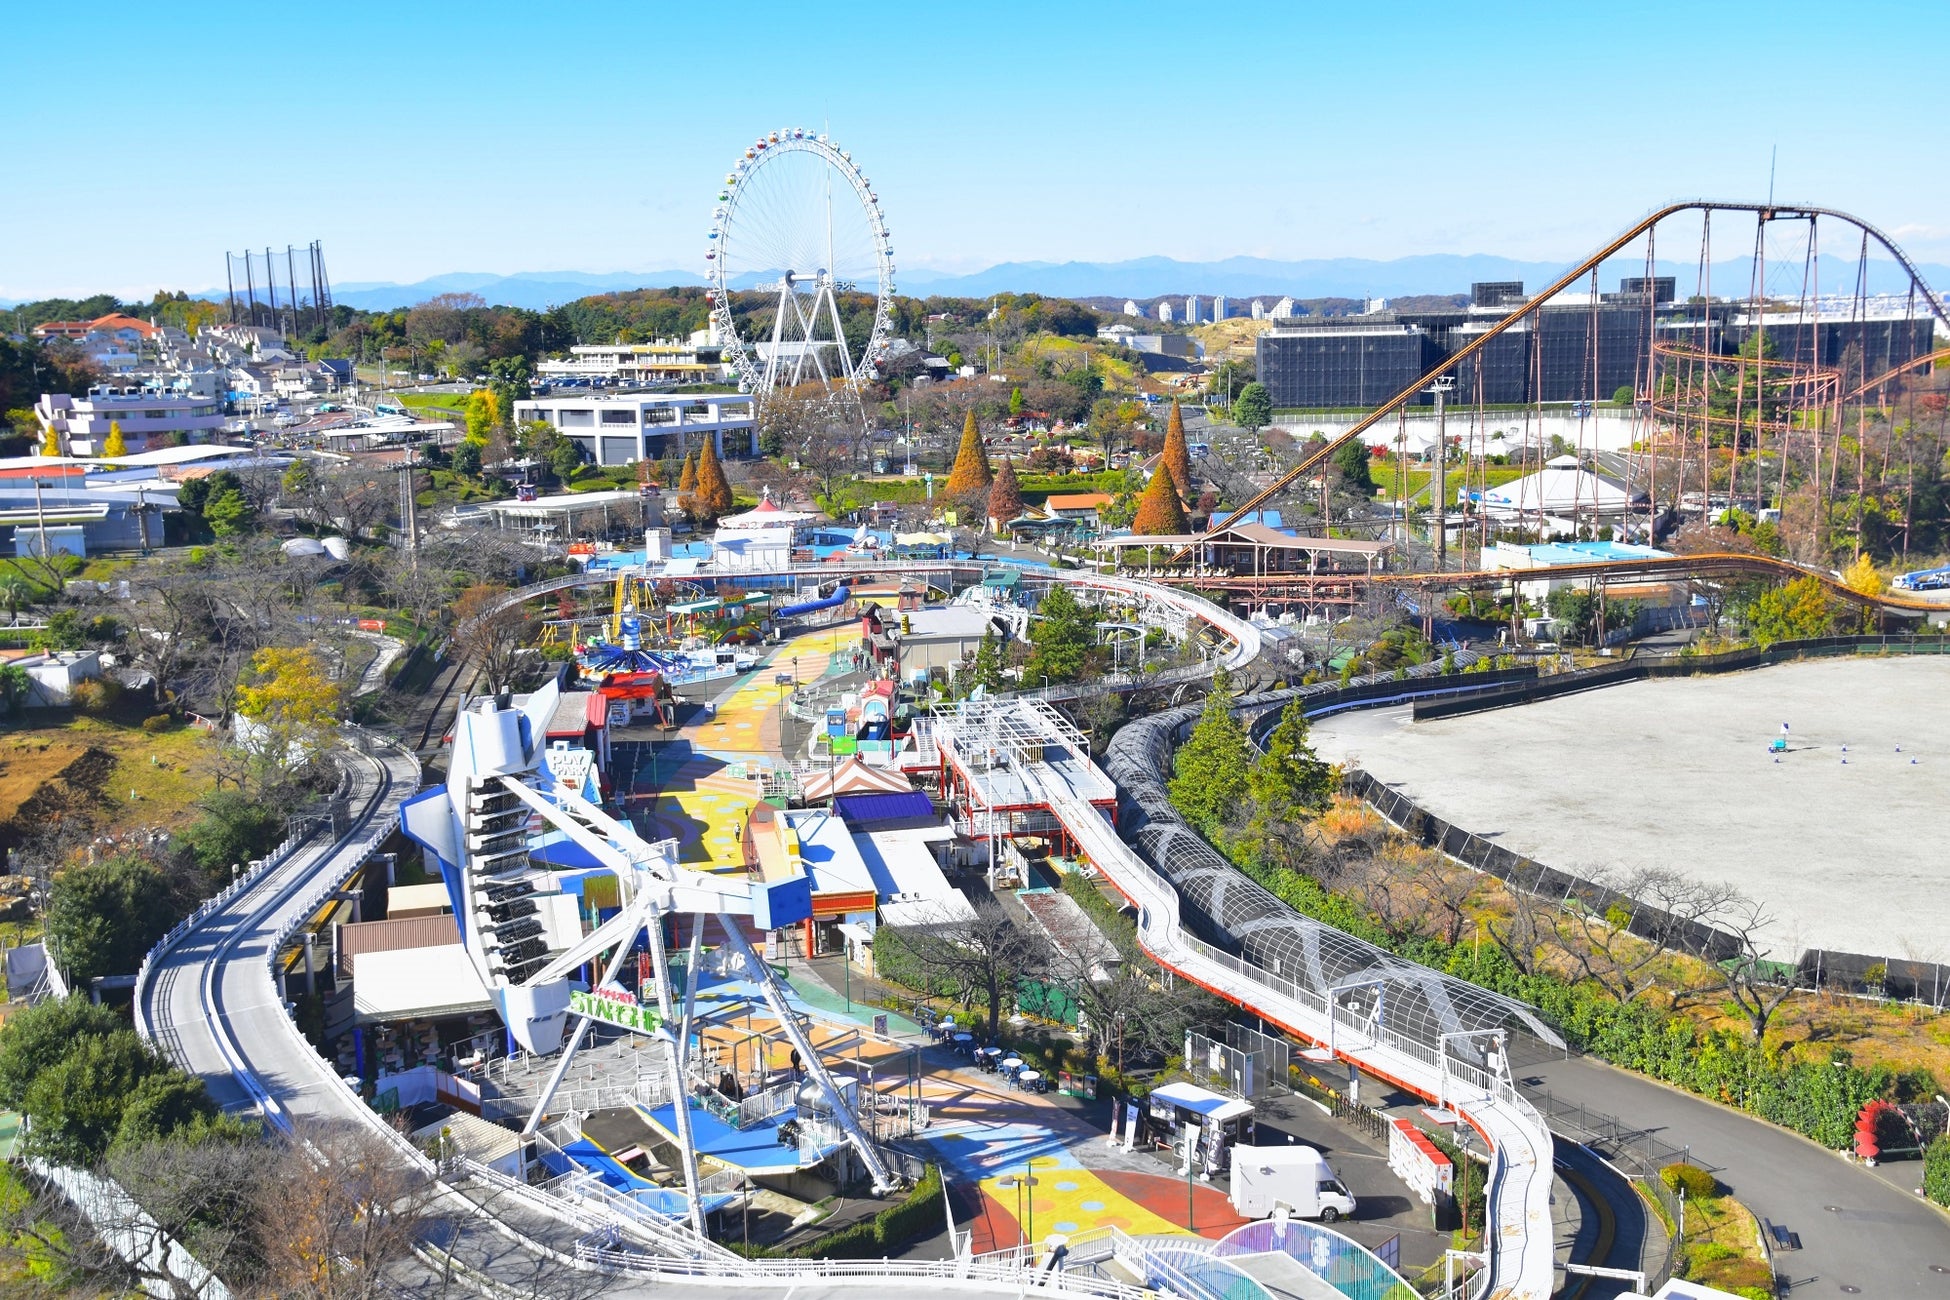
(1936, 1171)
(914, 1215)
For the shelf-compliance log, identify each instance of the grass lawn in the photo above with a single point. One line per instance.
(453, 404)
(1722, 1247)
(115, 775)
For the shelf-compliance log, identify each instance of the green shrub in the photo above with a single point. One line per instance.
(1936, 1171)
(157, 725)
(1693, 1180)
(95, 695)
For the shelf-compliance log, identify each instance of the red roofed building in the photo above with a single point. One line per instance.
(115, 324)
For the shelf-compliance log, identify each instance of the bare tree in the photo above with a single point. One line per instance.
(1757, 984)
(488, 635)
(1652, 912)
(982, 956)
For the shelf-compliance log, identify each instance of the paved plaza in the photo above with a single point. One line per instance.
(1838, 837)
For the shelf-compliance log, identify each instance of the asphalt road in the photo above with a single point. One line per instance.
(1857, 1230)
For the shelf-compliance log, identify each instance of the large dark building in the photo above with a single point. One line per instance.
(1574, 352)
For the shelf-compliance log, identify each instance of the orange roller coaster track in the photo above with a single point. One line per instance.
(1765, 211)
(1712, 566)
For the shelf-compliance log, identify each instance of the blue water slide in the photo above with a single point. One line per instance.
(838, 598)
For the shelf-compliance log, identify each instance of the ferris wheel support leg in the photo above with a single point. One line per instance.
(653, 928)
(839, 337)
(768, 985)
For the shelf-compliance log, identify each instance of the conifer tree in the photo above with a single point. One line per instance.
(1159, 512)
(968, 481)
(687, 487)
(713, 489)
(1005, 495)
(1177, 456)
(1211, 768)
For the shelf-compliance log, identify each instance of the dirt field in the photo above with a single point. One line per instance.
(106, 776)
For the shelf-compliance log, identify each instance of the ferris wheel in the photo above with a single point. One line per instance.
(797, 218)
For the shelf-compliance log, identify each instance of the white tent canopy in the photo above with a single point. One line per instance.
(1562, 488)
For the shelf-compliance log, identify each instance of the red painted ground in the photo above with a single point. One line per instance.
(995, 1226)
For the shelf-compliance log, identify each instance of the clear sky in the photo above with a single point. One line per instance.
(414, 139)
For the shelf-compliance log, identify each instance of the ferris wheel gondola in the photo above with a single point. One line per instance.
(796, 218)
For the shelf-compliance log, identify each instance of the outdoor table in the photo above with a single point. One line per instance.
(1011, 1065)
(1030, 1079)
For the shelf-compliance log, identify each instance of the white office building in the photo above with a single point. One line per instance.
(1132, 309)
(667, 361)
(149, 418)
(621, 429)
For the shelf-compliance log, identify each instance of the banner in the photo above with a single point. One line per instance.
(623, 1011)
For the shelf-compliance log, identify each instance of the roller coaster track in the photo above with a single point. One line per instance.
(201, 995)
(1766, 212)
(1675, 568)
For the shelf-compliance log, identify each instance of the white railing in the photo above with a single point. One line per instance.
(1519, 1185)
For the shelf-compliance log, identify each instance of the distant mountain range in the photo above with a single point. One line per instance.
(1150, 277)
(532, 289)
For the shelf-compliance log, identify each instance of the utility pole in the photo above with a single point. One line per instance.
(1439, 495)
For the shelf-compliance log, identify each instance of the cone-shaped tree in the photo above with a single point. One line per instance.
(1159, 512)
(970, 478)
(1005, 495)
(115, 445)
(1177, 457)
(687, 487)
(713, 489)
(50, 442)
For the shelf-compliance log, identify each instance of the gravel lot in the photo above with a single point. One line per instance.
(1845, 848)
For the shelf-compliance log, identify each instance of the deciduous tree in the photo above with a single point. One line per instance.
(489, 637)
(115, 445)
(295, 703)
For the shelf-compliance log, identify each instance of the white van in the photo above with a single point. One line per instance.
(1297, 1177)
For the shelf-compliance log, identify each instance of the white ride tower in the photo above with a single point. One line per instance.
(478, 828)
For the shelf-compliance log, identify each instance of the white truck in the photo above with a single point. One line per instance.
(1296, 1177)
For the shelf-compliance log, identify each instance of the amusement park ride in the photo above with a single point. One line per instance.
(512, 904)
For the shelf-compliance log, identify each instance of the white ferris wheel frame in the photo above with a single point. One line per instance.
(754, 375)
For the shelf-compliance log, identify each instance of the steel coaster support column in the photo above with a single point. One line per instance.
(653, 926)
(883, 1180)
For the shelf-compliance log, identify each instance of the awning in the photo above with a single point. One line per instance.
(1202, 1101)
(853, 776)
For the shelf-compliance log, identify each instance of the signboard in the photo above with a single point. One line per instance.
(845, 745)
(616, 1007)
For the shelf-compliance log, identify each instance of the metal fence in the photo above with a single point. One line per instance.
(1636, 1155)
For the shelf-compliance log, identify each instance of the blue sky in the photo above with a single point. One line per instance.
(143, 141)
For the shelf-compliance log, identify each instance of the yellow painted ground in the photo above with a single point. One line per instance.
(1069, 1201)
(746, 725)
